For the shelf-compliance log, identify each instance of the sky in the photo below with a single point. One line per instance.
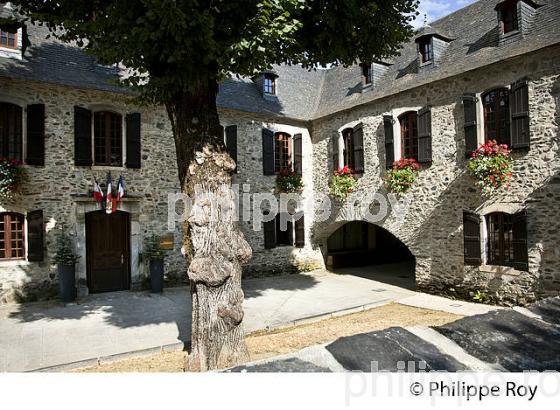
(434, 9)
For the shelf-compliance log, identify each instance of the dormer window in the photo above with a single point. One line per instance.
(425, 49)
(367, 75)
(8, 38)
(269, 86)
(510, 22)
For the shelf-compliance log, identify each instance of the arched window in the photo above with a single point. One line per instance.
(108, 138)
(283, 151)
(409, 134)
(12, 236)
(10, 131)
(348, 139)
(496, 115)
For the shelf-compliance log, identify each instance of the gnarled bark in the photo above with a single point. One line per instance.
(213, 245)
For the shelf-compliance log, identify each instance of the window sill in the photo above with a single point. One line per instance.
(107, 168)
(14, 262)
(500, 270)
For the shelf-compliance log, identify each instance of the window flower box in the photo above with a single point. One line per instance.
(289, 181)
(11, 178)
(491, 167)
(342, 183)
(401, 175)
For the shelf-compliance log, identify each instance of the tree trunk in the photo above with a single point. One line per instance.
(213, 245)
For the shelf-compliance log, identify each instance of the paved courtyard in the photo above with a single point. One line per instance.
(42, 335)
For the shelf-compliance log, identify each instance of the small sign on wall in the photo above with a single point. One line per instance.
(167, 241)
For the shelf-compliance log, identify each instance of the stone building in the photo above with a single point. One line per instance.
(488, 71)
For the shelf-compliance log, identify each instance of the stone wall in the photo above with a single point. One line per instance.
(432, 224)
(62, 190)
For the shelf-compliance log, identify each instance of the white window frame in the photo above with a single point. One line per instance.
(480, 136)
(14, 52)
(397, 137)
(340, 140)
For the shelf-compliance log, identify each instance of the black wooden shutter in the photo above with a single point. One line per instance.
(520, 252)
(82, 137)
(35, 229)
(300, 232)
(35, 134)
(334, 150)
(471, 137)
(358, 143)
(298, 154)
(519, 110)
(425, 135)
(269, 229)
(231, 142)
(471, 235)
(290, 231)
(389, 141)
(268, 151)
(133, 140)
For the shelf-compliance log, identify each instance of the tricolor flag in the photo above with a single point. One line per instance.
(120, 193)
(97, 192)
(109, 200)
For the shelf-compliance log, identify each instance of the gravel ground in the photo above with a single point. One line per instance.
(267, 344)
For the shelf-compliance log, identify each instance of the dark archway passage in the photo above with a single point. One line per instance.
(372, 252)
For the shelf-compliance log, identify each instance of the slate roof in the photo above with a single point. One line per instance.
(307, 95)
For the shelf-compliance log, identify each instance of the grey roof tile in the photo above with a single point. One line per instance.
(307, 95)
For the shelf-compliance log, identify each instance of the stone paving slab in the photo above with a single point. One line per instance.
(509, 339)
(385, 350)
(548, 310)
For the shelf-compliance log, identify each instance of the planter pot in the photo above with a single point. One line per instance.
(67, 283)
(156, 275)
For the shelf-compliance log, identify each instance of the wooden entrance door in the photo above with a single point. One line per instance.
(108, 251)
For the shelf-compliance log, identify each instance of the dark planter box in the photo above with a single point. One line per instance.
(156, 275)
(67, 283)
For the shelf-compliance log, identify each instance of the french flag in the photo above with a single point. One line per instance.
(97, 192)
(109, 205)
(120, 193)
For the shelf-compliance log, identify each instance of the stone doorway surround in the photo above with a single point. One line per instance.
(83, 205)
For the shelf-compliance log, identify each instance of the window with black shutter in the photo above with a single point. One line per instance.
(133, 140)
(231, 142)
(507, 240)
(35, 134)
(268, 151)
(425, 135)
(35, 232)
(269, 231)
(12, 236)
(299, 225)
(389, 141)
(519, 110)
(471, 239)
(335, 152)
(358, 149)
(409, 134)
(298, 154)
(470, 124)
(11, 131)
(82, 137)
(496, 116)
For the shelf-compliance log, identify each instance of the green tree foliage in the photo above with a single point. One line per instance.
(181, 44)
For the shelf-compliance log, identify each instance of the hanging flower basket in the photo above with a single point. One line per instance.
(11, 178)
(491, 166)
(343, 183)
(289, 181)
(402, 175)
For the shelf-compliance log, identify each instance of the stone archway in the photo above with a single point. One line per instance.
(370, 251)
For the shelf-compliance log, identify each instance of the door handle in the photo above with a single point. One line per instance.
(122, 258)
